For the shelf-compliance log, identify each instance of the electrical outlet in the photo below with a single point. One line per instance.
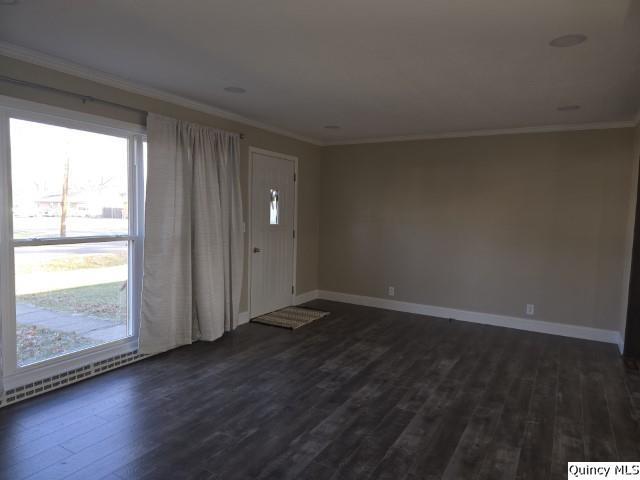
(531, 308)
(392, 291)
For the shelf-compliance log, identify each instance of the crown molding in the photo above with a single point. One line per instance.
(65, 66)
(94, 75)
(488, 133)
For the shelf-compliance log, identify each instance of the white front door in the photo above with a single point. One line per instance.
(272, 232)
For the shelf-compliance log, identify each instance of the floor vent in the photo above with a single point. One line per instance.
(66, 378)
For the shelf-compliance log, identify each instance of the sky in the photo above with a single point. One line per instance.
(97, 163)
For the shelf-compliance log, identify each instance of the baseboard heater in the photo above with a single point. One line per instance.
(69, 377)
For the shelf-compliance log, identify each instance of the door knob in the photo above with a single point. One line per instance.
(256, 250)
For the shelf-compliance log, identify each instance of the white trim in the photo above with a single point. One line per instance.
(249, 221)
(32, 111)
(540, 326)
(295, 231)
(488, 133)
(306, 297)
(243, 318)
(136, 215)
(39, 242)
(247, 228)
(40, 112)
(271, 153)
(620, 342)
(60, 65)
(7, 284)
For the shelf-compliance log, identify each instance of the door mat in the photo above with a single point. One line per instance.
(290, 317)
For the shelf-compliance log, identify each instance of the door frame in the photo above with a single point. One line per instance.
(631, 336)
(249, 223)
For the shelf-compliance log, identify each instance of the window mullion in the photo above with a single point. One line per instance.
(7, 286)
(39, 242)
(136, 216)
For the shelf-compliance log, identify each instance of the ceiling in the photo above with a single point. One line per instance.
(376, 68)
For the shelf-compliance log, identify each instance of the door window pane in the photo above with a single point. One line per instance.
(70, 297)
(66, 182)
(274, 207)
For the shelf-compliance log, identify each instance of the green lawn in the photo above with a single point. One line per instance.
(86, 261)
(77, 262)
(107, 301)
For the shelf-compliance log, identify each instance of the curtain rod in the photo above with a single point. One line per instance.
(83, 98)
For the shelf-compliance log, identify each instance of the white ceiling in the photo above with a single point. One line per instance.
(377, 68)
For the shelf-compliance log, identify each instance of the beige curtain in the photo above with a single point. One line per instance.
(193, 257)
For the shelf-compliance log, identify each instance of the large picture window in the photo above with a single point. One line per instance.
(72, 196)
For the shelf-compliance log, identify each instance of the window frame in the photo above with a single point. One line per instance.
(15, 375)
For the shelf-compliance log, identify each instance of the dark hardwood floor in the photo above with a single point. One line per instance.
(363, 393)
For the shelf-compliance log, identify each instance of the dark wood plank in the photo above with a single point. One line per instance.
(599, 441)
(408, 449)
(502, 454)
(537, 445)
(448, 430)
(362, 393)
(625, 423)
(568, 443)
(478, 435)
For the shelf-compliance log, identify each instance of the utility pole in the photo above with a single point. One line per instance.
(65, 198)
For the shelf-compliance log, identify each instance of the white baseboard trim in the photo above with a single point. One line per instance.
(540, 326)
(243, 318)
(620, 342)
(306, 297)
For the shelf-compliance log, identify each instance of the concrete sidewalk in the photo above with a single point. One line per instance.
(87, 326)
